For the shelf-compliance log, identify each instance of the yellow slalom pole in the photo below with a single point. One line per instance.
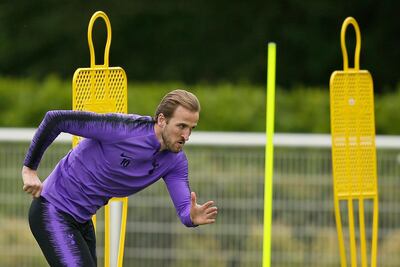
(107, 236)
(269, 154)
(122, 231)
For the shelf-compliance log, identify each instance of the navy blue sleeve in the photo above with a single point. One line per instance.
(102, 127)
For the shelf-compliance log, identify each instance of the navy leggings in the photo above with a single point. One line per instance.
(63, 241)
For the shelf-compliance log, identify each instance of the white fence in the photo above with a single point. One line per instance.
(228, 168)
(230, 139)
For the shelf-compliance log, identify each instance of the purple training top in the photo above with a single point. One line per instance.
(119, 157)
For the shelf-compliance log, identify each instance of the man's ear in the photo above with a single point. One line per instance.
(161, 121)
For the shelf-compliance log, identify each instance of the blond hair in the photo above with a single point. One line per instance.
(176, 98)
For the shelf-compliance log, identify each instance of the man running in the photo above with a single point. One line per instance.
(120, 155)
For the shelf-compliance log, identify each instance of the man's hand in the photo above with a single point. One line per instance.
(32, 183)
(202, 214)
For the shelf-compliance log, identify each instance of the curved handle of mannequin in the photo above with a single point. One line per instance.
(99, 14)
(347, 22)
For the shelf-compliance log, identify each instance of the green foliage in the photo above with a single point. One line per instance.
(387, 113)
(302, 110)
(195, 41)
(225, 106)
(231, 107)
(25, 101)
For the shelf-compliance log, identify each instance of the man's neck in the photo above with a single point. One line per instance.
(158, 133)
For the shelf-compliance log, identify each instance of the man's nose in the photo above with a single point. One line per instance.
(186, 134)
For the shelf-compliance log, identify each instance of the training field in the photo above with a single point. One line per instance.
(303, 230)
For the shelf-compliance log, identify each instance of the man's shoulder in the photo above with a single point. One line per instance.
(140, 117)
(136, 118)
(139, 122)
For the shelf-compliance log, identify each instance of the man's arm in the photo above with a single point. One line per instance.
(103, 127)
(190, 213)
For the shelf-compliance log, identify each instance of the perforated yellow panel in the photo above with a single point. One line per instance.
(353, 151)
(353, 134)
(102, 89)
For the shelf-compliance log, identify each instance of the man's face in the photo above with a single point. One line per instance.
(178, 128)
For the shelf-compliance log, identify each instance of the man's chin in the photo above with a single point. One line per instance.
(176, 149)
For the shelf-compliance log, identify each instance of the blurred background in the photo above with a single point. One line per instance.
(215, 48)
(218, 50)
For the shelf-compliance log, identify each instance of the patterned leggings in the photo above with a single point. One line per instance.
(63, 241)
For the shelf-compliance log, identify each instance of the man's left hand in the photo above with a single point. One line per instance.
(202, 214)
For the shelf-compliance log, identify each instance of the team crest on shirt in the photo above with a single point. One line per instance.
(125, 160)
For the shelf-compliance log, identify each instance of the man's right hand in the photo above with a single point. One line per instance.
(32, 183)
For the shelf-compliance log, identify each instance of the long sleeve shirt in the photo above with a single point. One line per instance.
(119, 156)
